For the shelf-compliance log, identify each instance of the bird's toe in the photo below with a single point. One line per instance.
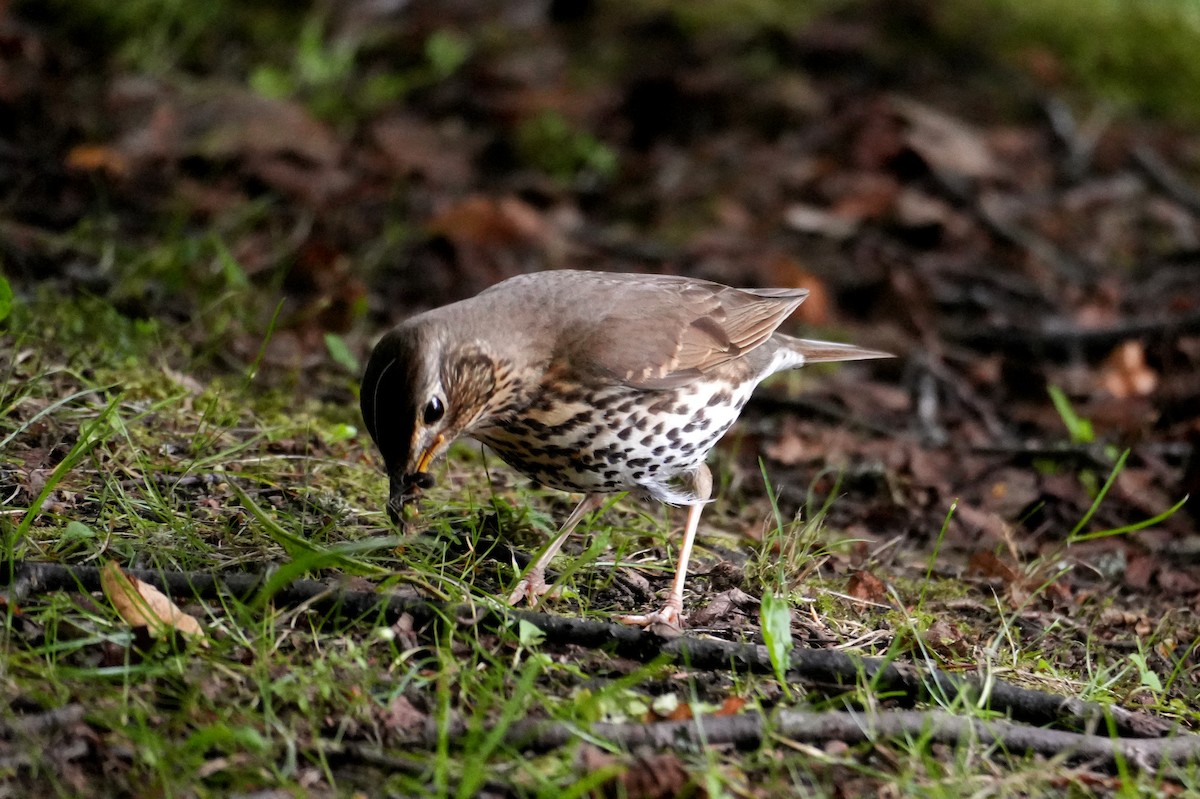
(667, 621)
(531, 589)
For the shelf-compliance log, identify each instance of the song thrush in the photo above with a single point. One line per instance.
(586, 382)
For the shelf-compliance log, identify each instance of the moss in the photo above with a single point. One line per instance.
(1138, 54)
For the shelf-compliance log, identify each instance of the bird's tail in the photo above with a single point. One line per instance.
(813, 351)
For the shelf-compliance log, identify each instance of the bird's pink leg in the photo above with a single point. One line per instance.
(532, 586)
(669, 618)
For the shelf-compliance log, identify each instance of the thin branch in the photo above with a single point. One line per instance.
(19, 724)
(751, 728)
(1166, 178)
(1063, 340)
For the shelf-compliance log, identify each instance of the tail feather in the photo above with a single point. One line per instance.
(814, 351)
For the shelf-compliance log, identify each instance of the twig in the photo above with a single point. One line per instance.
(750, 729)
(1061, 340)
(35, 723)
(827, 671)
(1160, 172)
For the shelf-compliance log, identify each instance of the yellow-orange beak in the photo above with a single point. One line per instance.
(427, 455)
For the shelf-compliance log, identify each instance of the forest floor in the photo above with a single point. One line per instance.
(967, 570)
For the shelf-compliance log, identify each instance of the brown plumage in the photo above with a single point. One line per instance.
(585, 381)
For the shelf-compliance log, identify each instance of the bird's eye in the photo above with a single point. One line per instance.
(434, 410)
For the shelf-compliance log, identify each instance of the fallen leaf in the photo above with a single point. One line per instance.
(949, 145)
(987, 563)
(402, 718)
(725, 606)
(142, 605)
(1125, 373)
(866, 587)
(98, 158)
(417, 147)
(1177, 581)
(1140, 570)
(657, 776)
(944, 639)
(485, 221)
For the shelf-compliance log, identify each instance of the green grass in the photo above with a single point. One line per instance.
(1134, 55)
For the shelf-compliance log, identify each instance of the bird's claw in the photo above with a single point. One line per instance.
(667, 621)
(532, 588)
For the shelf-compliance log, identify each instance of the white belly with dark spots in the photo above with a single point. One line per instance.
(623, 439)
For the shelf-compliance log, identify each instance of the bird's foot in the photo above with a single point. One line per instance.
(667, 621)
(532, 588)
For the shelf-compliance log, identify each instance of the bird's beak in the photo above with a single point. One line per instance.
(408, 486)
(430, 451)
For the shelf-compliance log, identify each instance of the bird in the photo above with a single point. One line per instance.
(589, 382)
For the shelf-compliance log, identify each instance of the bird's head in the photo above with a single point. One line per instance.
(422, 389)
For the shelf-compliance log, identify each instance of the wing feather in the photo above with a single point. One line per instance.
(682, 329)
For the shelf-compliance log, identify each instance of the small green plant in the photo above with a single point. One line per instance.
(549, 143)
(341, 354)
(1081, 433)
(791, 551)
(6, 298)
(324, 73)
(1077, 535)
(775, 615)
(1134, 55)
(1079, 429)
(320, 71)
(152, 36)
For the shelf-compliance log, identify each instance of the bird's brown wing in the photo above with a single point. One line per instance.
(671, 334)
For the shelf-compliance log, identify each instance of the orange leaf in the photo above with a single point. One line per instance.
(142, 605)
(866, 587)
(97, 158)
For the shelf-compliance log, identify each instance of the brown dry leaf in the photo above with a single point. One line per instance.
(655, 776)
(731, 706)
(988, 564)
(787, 272)
(866, 587)
(221, 122)
(1177, 581)
(916, 209)
(142, 605)
(486, 221)
(98, 158)
(789, 448)
(1010, 493)
(979, 523)
(658, 776)
(1140, 570)
(725, 606)
(416, 146)
(1125, 373)
(403, 719)
(862, 195)
(949, 145)
(592, 759)
(944, 639)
